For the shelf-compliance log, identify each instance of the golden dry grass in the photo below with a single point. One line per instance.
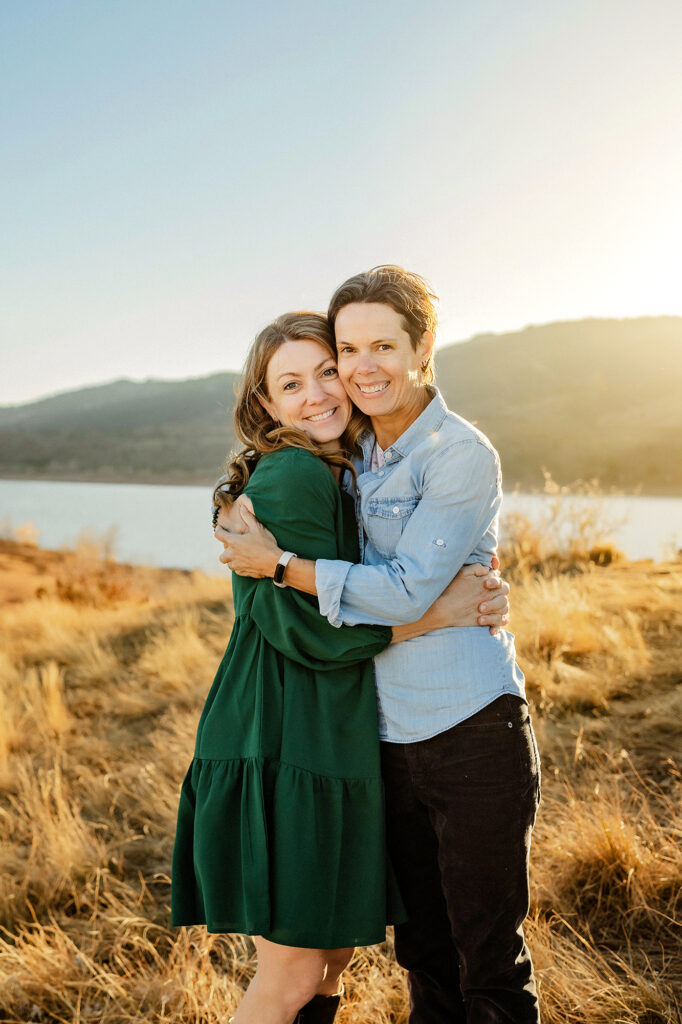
(102, 678)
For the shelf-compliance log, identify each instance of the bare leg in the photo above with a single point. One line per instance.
(286, 979)
(321, 1009)
(337, 961)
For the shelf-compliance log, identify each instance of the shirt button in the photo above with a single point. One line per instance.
(380, 473)
(440, 542)
(395, 510)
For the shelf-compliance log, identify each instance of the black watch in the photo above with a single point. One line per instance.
(284, 560)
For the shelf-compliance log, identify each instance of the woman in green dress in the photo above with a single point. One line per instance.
(280, 830)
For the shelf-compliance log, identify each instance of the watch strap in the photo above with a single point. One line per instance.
(283, 562)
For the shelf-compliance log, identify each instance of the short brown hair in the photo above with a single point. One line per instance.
(408, 294)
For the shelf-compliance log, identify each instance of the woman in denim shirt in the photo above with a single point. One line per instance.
(460, 762)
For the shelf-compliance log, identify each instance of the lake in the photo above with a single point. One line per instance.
(170, 526)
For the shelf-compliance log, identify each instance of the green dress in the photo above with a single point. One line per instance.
(280, 827)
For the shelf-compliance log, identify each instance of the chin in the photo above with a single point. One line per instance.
(321, 437)
(374, 408)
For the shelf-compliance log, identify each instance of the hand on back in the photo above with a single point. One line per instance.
(230, 520)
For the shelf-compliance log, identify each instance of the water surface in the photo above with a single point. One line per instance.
(170, 526)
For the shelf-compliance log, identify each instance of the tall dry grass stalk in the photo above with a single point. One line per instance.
(572, 527)
(100, 691)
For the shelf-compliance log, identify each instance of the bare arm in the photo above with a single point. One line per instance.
(476, 597)
(251, 550)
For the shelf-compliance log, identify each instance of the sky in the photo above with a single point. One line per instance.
(176, 173)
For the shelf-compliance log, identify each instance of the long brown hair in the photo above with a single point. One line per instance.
(253, 425)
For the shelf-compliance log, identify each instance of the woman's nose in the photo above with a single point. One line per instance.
(365, 363)
(315, 392)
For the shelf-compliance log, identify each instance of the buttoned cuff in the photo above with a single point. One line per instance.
(330, 579)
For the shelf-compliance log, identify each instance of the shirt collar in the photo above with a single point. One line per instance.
(428, 422)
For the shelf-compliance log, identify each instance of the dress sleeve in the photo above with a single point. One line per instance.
(296, 497)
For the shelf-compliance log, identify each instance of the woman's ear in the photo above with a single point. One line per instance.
(425, 347)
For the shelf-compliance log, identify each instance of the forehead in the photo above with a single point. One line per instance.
(368, 321)
(297, 357)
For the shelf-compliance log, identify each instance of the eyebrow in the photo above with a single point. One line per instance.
(290, 373)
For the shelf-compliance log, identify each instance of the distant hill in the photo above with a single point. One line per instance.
(145, 431)
(587, 398)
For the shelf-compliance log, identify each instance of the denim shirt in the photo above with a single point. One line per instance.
(432, 508)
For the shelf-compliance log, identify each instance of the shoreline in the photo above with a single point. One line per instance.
(609, 490)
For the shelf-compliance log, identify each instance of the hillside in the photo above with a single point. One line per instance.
(149, 431)
(588, 398)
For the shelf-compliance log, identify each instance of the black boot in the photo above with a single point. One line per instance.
(320, 1010)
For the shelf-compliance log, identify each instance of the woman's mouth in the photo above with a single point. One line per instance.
(320, 416)
(372, 389)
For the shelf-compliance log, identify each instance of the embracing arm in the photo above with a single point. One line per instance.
(476, 597)
(458, 521)
(297, 492)
(256, 552)
(453, 523)
(239, 518)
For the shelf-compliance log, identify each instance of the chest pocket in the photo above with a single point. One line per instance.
(386, 520)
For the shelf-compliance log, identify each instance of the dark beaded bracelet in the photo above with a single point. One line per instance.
(214, 517)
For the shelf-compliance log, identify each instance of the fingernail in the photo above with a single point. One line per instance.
(484, 607)
(483, 621)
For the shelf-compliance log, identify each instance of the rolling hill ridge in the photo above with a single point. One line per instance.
(582, 399)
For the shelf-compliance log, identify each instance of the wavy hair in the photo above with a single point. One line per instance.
(253, 425)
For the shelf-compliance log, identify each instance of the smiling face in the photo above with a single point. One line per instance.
(305, 392)
(380, 367)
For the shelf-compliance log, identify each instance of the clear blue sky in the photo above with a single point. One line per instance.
(176, 172)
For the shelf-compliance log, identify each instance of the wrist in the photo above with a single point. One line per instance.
(273, 561)
(435, 617)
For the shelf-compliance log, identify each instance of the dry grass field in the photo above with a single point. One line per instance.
(103, 672)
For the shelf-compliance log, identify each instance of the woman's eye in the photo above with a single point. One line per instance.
(331, 371)
(345, 349)
(290, 386)
(384, 347)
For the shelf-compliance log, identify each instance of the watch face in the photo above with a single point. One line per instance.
(279, 572)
